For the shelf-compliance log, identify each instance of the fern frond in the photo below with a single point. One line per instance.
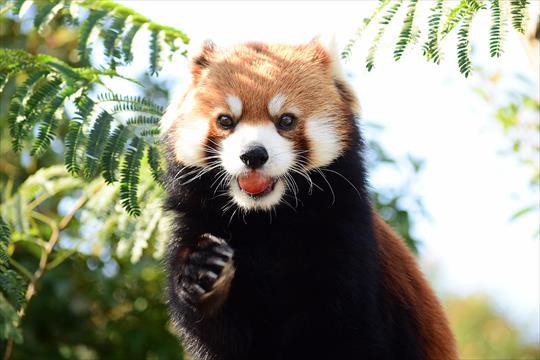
(126, 103)
(143, 121)
(5, 239)
(13, 287)
(93, 20)
(111, 154)
(75, 138)
(45, 135)
(155, 163)
(46, 12)
(463, 44)
(130, 176)
(346, 53)
(127, 42)
(96, 143)
(496, 32)
(384, 22)
(48, 125)
(33, 109)
(17, 104)
(430, 48)
(111, 38)
(454, 17)
(155, 52)
(518, 11)
(74, 141)
(405, 36)
(152, 132)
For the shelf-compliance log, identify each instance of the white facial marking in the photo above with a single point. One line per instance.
(191, 134)
(275, 104)
(280, 159)
(325, 143)
(235, 105)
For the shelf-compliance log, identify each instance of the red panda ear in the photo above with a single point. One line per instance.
(326, 52)
(319, 52)
(203, 59)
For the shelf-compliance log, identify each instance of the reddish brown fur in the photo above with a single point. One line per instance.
(406, 284)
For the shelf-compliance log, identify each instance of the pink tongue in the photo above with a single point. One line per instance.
(254, 183)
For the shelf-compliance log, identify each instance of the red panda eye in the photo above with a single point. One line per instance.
(225, 121)
(286, 121)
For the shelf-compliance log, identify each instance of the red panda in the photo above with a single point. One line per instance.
(276, 251)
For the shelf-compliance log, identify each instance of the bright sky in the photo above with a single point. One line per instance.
(469, 189)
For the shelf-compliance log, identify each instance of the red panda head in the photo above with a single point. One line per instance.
(259, 112)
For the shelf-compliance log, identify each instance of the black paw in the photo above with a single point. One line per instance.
(207, 267)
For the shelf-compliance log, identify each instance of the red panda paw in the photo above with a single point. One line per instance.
(207, 275)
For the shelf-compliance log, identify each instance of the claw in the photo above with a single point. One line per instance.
(225, 251)
(216, 262)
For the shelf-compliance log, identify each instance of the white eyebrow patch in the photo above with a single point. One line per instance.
(275, 104)
(235, 105)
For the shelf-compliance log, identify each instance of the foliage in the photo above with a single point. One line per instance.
(484, 333)
(443, 17)
(51, 86)
(517, 114)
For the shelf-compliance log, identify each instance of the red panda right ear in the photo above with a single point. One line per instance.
(203, 59)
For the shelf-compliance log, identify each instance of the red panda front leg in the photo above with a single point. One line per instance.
(206, 275)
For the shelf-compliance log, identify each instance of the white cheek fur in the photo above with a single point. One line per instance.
(324, 140)
(190, 138)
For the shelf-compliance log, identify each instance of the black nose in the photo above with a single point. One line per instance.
(254, 157)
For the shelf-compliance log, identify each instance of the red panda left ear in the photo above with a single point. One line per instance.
(203, 59)
(326, 52)
(319, 53)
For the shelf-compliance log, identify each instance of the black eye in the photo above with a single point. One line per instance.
(286, 121)
(225, 121)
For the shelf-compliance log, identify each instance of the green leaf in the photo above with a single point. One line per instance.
(496, 31)
(126, 103)
(143, 121)
(48, 125)
(405, 36)
(13, 287)
(431, 47)
(454, 17)
(130, 176)
(5, 239)
(155, 52)
(74, 141)
(155, 164)
(463, 44)
(93, 20)
(17, 104)
(33, 109)
(384, 22)
(346, 53)
(96, 143)
(524, 211)
(113, 150)
(111, 38)
(128, 41)
(9, 326)
(518, 11)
